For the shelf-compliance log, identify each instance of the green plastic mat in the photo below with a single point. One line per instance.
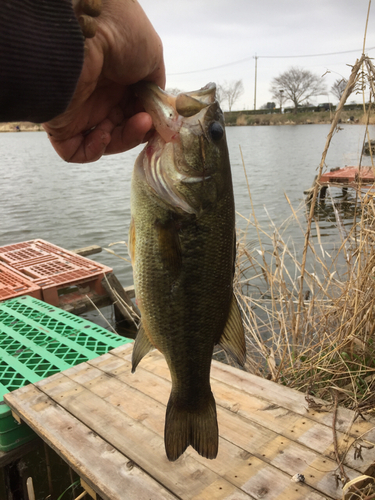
(38, 340)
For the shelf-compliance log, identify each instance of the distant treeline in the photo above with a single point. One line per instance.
(231, 116)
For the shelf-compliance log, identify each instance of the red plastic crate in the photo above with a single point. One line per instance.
(14, 285)
(53, 268)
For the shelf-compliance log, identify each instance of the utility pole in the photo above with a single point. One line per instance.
(281, 99)
(255, 86)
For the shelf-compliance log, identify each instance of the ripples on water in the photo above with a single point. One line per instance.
(74, 206)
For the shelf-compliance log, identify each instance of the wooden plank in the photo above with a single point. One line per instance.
(257, 454)
(16, 417)
(262, 481)
(102, 467)
(258, 441)
(90, 250)
(139, 443)
(88, 489)
(286, 397)
(281, 398)
(305, 429)
(141, 408)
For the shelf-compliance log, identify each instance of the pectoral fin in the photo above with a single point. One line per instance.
(142, 346)
(233, 338)
(170, 246)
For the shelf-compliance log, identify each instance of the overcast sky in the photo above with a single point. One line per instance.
(200, 35)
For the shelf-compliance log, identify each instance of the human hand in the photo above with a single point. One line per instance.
(104, 116)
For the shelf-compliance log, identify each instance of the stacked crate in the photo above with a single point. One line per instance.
(48, 270)
(13, 285)
(36, 341)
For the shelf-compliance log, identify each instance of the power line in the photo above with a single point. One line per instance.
(214, 67)
(266, 57)
(316, 55)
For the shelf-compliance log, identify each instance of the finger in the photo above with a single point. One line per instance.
(130, 134)
(158, 76)
(106, 138)
(83, 148)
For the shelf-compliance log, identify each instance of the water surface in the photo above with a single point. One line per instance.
(74, 205)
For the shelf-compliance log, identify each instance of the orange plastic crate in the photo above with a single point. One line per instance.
(14, 285)
(53, 268)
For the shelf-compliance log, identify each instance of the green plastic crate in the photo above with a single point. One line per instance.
(36, 341)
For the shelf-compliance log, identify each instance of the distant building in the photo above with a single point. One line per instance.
(324, 106)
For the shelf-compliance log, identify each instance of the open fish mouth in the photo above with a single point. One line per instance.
(167, 111)
(164, 163)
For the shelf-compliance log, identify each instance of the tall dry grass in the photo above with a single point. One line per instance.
(310, 318)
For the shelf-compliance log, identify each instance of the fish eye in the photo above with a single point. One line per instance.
(216, 131)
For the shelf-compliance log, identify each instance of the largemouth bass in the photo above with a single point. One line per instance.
(182, 246)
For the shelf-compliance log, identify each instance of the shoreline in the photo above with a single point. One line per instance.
(243, 118)
(20, 127)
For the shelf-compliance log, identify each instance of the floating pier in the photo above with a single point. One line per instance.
(347, 177)
(108, 425)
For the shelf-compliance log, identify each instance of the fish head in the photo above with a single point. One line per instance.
(185, 163)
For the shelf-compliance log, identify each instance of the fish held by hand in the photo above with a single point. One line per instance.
(182, 245)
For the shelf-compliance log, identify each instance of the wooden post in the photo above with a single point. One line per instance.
(322, 192)
(88, 250)
(120, 298)
(30, 488)
(88, 489)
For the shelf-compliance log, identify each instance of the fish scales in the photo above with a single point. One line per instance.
(182, 245)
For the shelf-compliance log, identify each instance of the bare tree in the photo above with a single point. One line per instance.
(338, 87)
(281, 98)
(298, 85)
(231, 92)
(220, 93)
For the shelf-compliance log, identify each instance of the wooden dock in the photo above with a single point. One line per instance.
(108, 425)
(344, 178)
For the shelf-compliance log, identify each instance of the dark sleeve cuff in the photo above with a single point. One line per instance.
(41, 58)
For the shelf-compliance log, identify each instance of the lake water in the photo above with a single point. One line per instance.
(74, 206)
(79, 205)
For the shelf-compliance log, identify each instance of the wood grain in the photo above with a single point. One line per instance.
(108, 424)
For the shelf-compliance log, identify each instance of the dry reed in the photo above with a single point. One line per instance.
(310, 319)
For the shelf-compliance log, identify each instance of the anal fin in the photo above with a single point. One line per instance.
(232, 339)
(142, 346)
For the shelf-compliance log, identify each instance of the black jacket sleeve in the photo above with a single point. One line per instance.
(41, 57)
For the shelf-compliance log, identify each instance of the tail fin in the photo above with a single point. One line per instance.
(198, 429)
